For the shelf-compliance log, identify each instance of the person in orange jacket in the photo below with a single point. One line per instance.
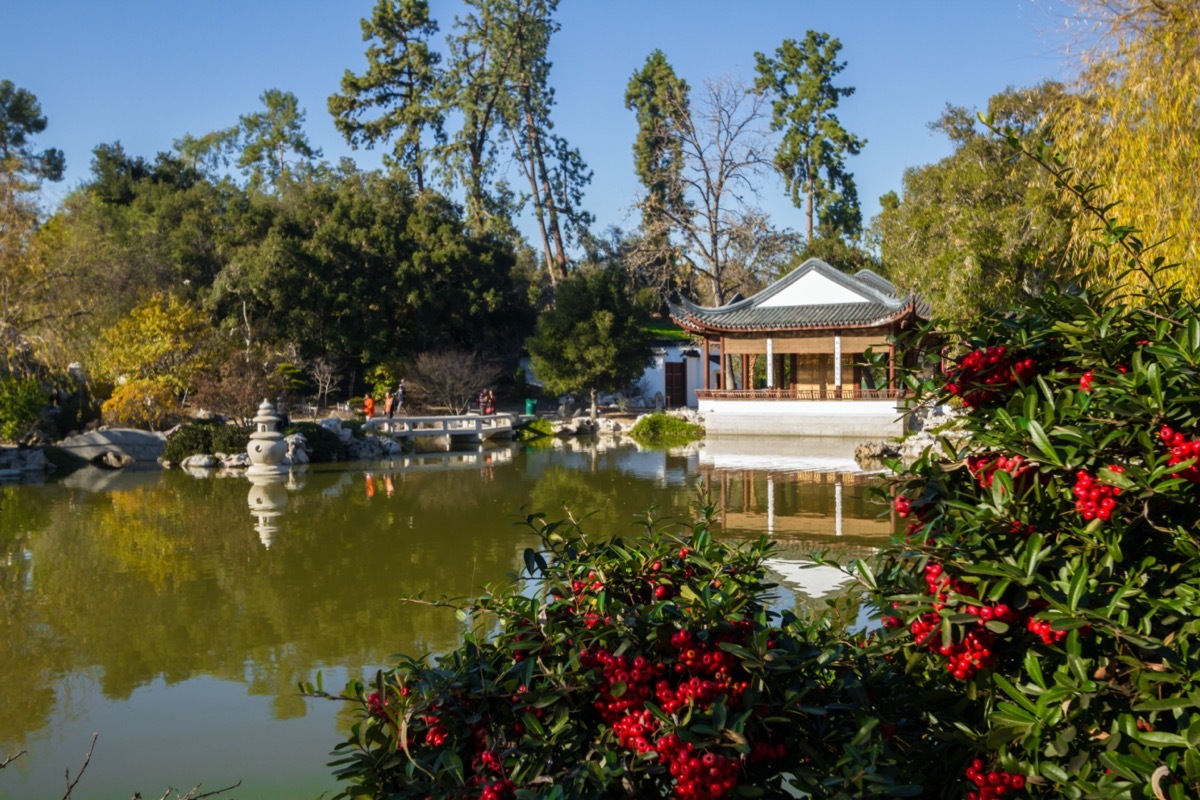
(369, 406)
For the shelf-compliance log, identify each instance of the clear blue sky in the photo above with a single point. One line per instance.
(145, 72)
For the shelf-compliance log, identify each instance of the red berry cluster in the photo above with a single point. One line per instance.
(983, 467)
(1095, 500)
(993, 784)
(903, 506)
(703, 673)
(1182, 449)
(436, 733)
(1018, 528)
(632, 680)
(381, 708)
(974, 652)
(977, 650)
(1042, 629)
(1085, 381)
(502, 789)
(698, 776)
(981, 376)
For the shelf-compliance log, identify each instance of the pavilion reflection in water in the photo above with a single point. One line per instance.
(805, 501)
(807, 496)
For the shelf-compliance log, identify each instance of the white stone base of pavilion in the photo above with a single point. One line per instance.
(859, 419)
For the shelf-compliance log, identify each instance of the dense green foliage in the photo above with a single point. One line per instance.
(595, 337)
(204, 437)
(1046, 600)
(979, 230)
(351, 266)
(21, 404)
(665, 430)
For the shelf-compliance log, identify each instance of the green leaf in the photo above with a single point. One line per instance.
(532, 723)
(1161, 739)
(1033, 668)
(1014, 693)
(1154, 378)
(1053, 772)
(1078, 584)
(1042, 442)
(1163, 704)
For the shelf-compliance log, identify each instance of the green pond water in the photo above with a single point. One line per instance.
(175, 614)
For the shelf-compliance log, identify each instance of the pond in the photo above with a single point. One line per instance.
(175, 615)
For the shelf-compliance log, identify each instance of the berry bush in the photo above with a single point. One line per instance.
(652, 667)
(1045, 599)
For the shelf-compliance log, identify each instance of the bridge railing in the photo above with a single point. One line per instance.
(447, 425)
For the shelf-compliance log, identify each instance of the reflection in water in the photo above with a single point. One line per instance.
(267, 500)
(154, 606)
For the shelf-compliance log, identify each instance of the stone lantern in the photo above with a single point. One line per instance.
(267, 446)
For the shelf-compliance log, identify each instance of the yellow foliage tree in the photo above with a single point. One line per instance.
(165, 339)
(142, 403)
(1133, 126)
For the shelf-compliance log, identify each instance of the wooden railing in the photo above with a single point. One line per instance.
(847, 393)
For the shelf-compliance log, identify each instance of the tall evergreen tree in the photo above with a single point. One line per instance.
(659, 98)
(21, 118)
(268, 136)
(475, 80)
(812, 155)
(500, 73)
(401, 86)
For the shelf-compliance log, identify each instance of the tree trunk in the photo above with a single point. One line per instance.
(810, 208)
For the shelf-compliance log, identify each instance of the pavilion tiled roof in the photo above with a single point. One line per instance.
(879, 306)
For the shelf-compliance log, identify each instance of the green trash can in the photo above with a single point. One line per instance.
(530, 405)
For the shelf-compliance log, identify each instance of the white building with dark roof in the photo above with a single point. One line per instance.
(789, 359)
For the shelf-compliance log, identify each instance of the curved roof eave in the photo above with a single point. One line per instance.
(701, 326)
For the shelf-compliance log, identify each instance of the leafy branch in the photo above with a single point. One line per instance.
(1084, 192)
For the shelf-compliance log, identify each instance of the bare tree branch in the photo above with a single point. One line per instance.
(87, 760)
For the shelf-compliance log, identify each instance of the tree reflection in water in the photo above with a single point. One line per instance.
(116, 583)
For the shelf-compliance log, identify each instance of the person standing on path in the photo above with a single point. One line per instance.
(400, 395)
(389, 404)
(369, 406)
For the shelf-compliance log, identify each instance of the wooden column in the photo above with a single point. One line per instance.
(891, 379)
(704, 361)
(837, 366)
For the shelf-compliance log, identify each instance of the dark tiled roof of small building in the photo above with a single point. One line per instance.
(879, 305)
